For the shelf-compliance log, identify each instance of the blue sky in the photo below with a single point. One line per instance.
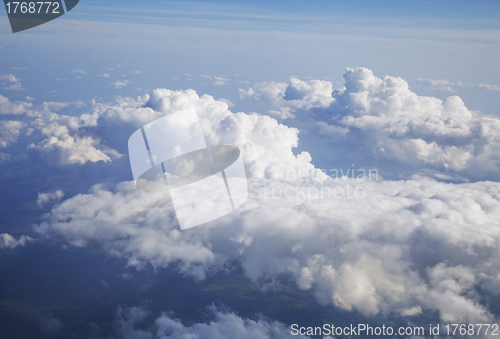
(259, 41)
(184, 13)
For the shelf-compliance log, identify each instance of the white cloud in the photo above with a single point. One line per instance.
(49, 198)
(9, 132)
(11, 82)
(104, 75)
(217, 80)
(371, 254)
(79, 71)
(447, 86)
(132, 323)
(8, 107)
(9, 78)
(66, 149)
(63, 140)
(487, 87)
(9, 242)
(400, 246)
(74, 139)
(384, 121)
(397, 125)
(269, 91)
(136, 72)
(120, 83)
(297, 94)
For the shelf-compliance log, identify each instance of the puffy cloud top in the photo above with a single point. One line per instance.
(385, 121)
(398, 125)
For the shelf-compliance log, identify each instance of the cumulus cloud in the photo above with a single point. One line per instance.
(19, 107)
(93, 136)
(66, 150)
(11, 82)
(130, 323)
(120, 83)
(60, 139)
(374, 246)
(381, 120)
(397, 125)
(68, 139)
(9, 242)
(63, 143)
(288, 97)
(49, 198)
(9, 132)
(137, 72)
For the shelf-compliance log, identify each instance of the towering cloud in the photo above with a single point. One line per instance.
(385, 120)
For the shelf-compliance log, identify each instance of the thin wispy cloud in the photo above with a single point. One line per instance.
(447, 86)
(218, 80)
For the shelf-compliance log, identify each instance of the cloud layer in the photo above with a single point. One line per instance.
(366, 244)
(375, 246)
